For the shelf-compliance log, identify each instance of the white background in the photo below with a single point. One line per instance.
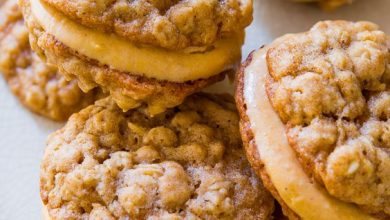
(23, 134)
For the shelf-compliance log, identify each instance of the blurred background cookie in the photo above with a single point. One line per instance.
(185, 163)
(327, 4)
(152, 53)
(39, 87)
(315, 113)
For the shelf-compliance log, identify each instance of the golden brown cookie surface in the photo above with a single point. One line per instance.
(38, 86)
(330, 86)
(171, 24)
(184, 163)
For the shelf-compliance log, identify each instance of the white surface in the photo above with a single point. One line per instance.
(23, 134)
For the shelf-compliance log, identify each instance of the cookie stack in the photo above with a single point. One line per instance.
(143, 142)
(151, 149)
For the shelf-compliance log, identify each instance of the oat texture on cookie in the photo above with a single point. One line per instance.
(171, 24)
(330, 86)
(186, 163)
(38, 86)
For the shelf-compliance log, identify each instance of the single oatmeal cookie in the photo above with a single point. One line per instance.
(144, 53)
(185, 163)
(329, 89)
(38, 86)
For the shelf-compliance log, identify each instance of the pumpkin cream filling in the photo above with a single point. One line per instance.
(302, 195)
(152, 62)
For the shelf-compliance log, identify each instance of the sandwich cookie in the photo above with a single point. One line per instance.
(144, 53)
(315, 123)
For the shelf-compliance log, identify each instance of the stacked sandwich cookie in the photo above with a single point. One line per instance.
(144, 53)
(185, 163)
(312, 128)
(315, 113)
(38, 86)
(152, 150)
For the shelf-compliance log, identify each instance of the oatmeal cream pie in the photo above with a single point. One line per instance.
(315, 110)
(38, 86)
(185, 163)
(327, 4)
(144, 52)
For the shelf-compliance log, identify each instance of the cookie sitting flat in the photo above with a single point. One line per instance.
(186, 163)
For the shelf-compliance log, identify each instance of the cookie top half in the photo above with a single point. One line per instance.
(186, 163)
(38, 86)
(171, 24)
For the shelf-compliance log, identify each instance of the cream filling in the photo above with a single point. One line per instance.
(122, 55)
(306, 198)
